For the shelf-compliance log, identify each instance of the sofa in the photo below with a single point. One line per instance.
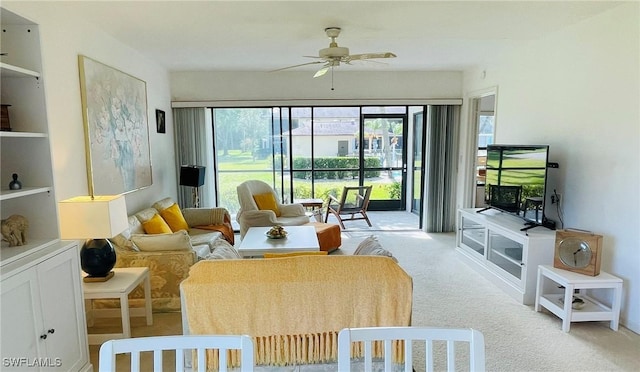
(294, 307)
(169, 255)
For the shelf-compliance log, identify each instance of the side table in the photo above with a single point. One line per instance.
(560, 304)
(120, 286)
(314, 204)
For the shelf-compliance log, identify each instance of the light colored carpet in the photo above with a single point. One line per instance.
(448, 293)
(381, 221)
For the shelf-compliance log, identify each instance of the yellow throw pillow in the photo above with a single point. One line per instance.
(293, 254)
(267, 201)
(174, 218)
(156, 225)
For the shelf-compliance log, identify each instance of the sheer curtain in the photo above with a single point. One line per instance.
(193, 148)
(442, 160)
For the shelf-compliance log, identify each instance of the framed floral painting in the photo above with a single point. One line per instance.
(114, 110)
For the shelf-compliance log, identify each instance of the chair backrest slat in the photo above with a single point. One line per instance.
(429, 355)
(451, 356)
(180, 358)
(157, 360)
(135, 361)
(202, 363)
(388, 362)
(408, 356)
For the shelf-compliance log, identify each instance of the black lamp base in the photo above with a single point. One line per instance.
(97, 258)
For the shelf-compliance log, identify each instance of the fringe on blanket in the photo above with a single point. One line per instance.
(285, 350)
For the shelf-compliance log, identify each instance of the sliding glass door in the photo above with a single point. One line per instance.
(311, 152)
(383, 159)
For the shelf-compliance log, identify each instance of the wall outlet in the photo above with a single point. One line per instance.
(555, 198)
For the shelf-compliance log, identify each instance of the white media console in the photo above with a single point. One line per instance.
(492, 243)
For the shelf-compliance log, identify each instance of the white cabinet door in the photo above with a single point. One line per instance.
(42, 309)
(62, 311)
(21, 324)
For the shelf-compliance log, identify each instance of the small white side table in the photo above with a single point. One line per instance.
(124, 281)
(560, 304)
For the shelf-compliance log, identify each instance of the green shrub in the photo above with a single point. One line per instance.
(394, 190)
(348, 167)
(301, 191)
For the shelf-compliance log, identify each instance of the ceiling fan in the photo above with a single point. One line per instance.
(334, 55)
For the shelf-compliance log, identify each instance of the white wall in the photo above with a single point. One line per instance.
(579, 91)
(300, 85)
(322, 146)
(63, 37)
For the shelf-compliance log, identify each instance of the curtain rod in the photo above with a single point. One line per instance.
(319, 102)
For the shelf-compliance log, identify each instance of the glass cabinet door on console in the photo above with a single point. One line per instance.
(506, 254)
(472, 235)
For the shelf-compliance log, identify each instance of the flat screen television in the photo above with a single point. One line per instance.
(516, 178)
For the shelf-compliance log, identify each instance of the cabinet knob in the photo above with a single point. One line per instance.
(50, 331)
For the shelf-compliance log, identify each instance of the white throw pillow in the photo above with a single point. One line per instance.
(371, 247)
(146, 214)
(163, 204)
(176, 241)
(123, 243)
(367, 245)
(222, 250)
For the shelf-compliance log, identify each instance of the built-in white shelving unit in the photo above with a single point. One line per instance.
(42, 306)
(25, 150)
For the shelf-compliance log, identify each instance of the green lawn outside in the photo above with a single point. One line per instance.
(251, 169)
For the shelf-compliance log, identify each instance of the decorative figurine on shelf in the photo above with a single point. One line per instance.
(14, 230)
(15, 184)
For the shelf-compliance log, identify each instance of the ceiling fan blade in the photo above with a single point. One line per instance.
(365, 62)
(302, 64)
(321, 72)
(371, 56)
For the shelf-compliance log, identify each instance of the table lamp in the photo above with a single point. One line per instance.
(96, 219)
(192, 175)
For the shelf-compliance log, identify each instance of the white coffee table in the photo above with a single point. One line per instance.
(299, 238)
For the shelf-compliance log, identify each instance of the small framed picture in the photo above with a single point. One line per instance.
(160, 123)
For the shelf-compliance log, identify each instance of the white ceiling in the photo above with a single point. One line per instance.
(267, 35)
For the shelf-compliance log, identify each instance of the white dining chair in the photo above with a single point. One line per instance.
(180, 344)
(429, 335)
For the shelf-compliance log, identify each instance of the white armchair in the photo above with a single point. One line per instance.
(250, 215)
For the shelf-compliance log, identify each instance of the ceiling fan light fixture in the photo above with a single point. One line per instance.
(332, 32)
(334, 52)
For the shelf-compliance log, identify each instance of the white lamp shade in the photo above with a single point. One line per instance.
(102, 217)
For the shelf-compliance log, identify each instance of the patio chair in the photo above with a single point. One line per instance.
(353, 201)
(198, 343)
(261, 206)
(430, 337)
(506, 198)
